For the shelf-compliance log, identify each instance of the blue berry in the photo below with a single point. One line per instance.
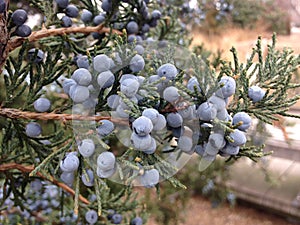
(192, 84)
(62, 3)
(2, 6)
(145, 28)
(72, 11)
(150, 178)
(106, 79)
(141, 142)
(219, 103)
(139, 49)
(156, 14)
(86, 147)
(106, 161)
(244, 118)
(152, 114)
(142, 126)
(19, 17)
(82, 76)
(67, 178)
(42, 105)
(99, 19)
(167, 70)
(101, 63)
(106, 128)
(185, 144)
(132, 27)
(238, 137)
(216, 140)
(79, 93)
(128, 76)
(230, 149)
(105, 173)
(206, 111)
(39, 56)
(90, 182)
(227, 87)
(70, 163)
(256, 94)
(136, 221)
(106, 5)
(91, 216)
(23, 30)
(110, 213)
(86, 16)
(152, 147)
(137, 63)
(129, 87)
(116, 218)
(67, 84)
(113, 101)
(171, 94)
(33, 129)
(160, 123)
(83, 62)
(174, 120)
(66, 21)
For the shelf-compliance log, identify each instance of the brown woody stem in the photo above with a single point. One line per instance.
(37, 35)
(28, 169)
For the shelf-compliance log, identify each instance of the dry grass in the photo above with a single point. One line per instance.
(243, 40)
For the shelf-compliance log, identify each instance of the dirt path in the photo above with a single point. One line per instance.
(199, 212)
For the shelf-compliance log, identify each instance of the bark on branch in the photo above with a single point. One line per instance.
(37, 35)
(28, 169)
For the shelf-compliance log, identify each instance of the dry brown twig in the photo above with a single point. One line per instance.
(28, 169)
(37, 35)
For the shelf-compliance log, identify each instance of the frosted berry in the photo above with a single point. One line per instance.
(106, 79)
(79, 93)
(101, 63)
(167, 70)
(90, 181)
(33, 129)
(174, 120)
(39, 56)
(206, 111)
(150, 178)
(141, 142)
(106, 161)
(82, 76)
(70, 163)
(116, 218)
(238, 137)
(42, 105)
(152, 114)
(105, 128)
(129, 87)
(142, 126)
(171, 94)
(244, 119)
(256, 94)
(227, 87)
(86, 147)
(91, 216)
(160, 123)
(137, 63)
(136, 221)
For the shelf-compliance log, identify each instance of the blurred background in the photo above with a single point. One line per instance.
(267, 192)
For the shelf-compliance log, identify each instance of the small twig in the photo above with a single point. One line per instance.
(28, 169)
(37, 35)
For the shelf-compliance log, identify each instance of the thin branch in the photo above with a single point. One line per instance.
(37, 35)
(28, 169)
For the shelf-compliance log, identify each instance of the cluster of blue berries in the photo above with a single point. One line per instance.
(70, 10)
(18, 18)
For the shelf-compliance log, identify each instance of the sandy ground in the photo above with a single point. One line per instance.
(199, 212)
